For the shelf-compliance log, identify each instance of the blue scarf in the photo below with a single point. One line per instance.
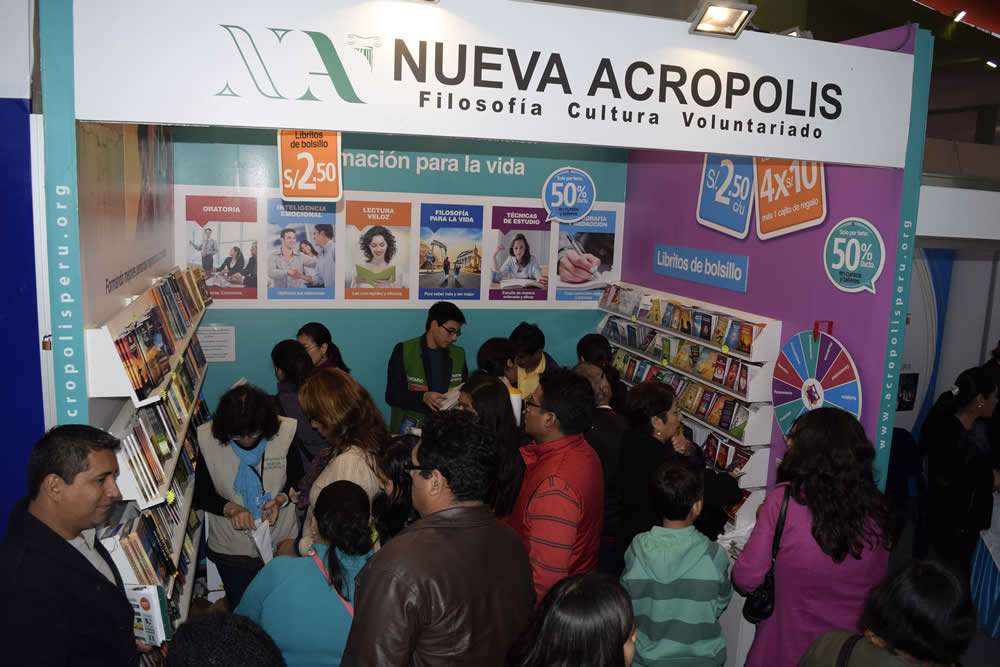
(248, 483)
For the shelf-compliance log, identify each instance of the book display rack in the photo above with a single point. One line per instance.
(720, 364)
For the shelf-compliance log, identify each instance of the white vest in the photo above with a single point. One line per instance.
(222, 464)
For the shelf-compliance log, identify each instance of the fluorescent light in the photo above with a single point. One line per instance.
(959, 15)
(991, 64)
(721, 18)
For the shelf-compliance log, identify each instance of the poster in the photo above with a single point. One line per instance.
(519, 258)
(450, 255)
(220, 233)
(301, 256)
(585, 262)
(378, 242)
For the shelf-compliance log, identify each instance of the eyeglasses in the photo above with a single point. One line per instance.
(530, 403)
(452, 332)
(410, 467)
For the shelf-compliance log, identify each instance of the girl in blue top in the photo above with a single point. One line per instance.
(305, 603)
(520, 263)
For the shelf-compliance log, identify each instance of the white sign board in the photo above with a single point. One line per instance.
(491, 69)
(218, 342)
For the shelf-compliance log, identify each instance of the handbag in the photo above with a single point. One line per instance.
(760, 603)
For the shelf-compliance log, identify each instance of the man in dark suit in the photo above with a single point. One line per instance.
(63, 599)
(605, 436)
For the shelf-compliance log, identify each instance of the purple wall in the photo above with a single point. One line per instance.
(786, 277)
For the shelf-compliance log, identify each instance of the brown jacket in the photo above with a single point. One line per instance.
(453, 588)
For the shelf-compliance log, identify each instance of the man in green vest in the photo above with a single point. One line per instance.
(423, 369)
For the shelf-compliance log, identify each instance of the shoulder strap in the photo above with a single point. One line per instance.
(326, 575)
(781, 524)
(846, 649)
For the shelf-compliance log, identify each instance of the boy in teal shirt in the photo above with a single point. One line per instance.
(677, 578)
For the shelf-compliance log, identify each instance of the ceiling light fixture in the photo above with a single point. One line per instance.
(721, 18)
(959, 15)
(992, 64)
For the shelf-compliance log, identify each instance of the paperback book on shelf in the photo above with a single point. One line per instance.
(741, 456)
(734, 509)
(152, 622)
(719, 330)
(710, 448)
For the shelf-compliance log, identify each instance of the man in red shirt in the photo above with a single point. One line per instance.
(559, 510)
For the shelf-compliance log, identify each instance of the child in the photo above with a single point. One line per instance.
(677, 578)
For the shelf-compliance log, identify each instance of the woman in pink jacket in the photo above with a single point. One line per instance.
(835, 543)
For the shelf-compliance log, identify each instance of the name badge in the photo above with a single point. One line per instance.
(274, 464)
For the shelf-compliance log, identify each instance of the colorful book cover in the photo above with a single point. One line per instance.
(630, 369)
(719, 330)
(619, 360)
(733, 335)
(732, 374)
(675, 317)
(632, 335)
(647, 338)
(746, 338)
(678, 383)
(640, 371)
(724, 455)
(689, 399)
(705, 366)
(710, 447)
(685, 321)
(605, 299)
(721, 366)
(696, 322)
(741, 386)
(704, 329)
(741, 455)
(733, 510)
(668, 313)
(687, 355)
(739, 424)
(653, 315)
(704, 403)
(715, 412)
(728, 410)
(651, 374)
(670, 347)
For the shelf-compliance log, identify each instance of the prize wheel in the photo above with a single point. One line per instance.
(812, 373)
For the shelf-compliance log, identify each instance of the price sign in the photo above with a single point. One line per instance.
(790, 195)
(568, 194)
(854, 255)
(726, 194)
(309, 164)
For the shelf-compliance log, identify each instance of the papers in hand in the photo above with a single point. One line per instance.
(450, 398)
(262, 539)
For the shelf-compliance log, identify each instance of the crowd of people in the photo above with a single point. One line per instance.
(523, 514)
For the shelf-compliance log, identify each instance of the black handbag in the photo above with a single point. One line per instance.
(760, 603)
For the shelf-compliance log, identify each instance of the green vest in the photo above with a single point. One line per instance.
(416, 377)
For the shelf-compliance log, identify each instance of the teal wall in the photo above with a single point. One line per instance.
(366, 338)
(248, 158)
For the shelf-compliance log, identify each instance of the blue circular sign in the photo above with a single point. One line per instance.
(568, 194)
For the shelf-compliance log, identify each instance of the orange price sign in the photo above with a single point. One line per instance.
(309, 164)
(790, 195)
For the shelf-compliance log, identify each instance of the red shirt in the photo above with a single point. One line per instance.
(559, 511)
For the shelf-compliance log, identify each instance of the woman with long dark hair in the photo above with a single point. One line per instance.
(835, 543)
(392, 508)
(316, 339)
(520, 263)
(488, 399)
(585, 620)
(960, 475)
(305, 603)
(292, 366)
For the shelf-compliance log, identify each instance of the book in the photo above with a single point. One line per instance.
(732, 374)
(739, 423)
(618, 362)
(724, 455)
(719, 330)
(696, 316)
(149, 605)
(741, 456)
(733, 335)
(710, 448)
(714, 415)
(688, 401)
(668, 313)
(733, 510)
(704, 328)
(630, 368)
(521, 283)
(685, 321)
(632, 335)
(653, 316)
(719, 372)
(741, 385)
(640, 371)
(728, 410)
(647, 337)
(687, 355)
(651, 374)
(704, 365)
(745, 340)
(704, 403)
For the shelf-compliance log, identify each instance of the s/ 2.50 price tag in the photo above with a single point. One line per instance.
(726, 194)
(790, 194)
(309, 164)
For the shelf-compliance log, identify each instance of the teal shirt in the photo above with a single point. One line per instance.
(291, 600)
(679, 584)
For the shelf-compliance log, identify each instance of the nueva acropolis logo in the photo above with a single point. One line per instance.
(260, 74)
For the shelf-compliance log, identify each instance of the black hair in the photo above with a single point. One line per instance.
(583, 621)
(394, 512)
(829, 466)
(527, 249)
(461, 450)
(677, 486)
(65, 451)
(972, 382)
(312, 248)
(319, 334)
(570, 397)
(292, 359)
(390, 242)
(923, 609)
(491, 399)
(219, 638)
(341, 512)
(595, 349)
(325, 228)
(287, 230)
(527, 339)
(493, 356)
(239, 253)
(647, 400)
(443, 311)
(244, 410)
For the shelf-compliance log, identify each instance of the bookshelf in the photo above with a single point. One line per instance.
(188, 591)
(729, 368)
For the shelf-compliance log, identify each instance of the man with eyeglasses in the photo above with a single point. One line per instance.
(423, 369)
(455, 586)
(559, 510)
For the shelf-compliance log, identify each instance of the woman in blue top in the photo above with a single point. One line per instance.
(520, 264)
(305, 603)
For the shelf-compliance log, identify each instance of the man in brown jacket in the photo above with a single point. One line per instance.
(455, 587)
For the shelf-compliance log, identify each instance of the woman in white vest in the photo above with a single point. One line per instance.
(345, 415)
(242, 482)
